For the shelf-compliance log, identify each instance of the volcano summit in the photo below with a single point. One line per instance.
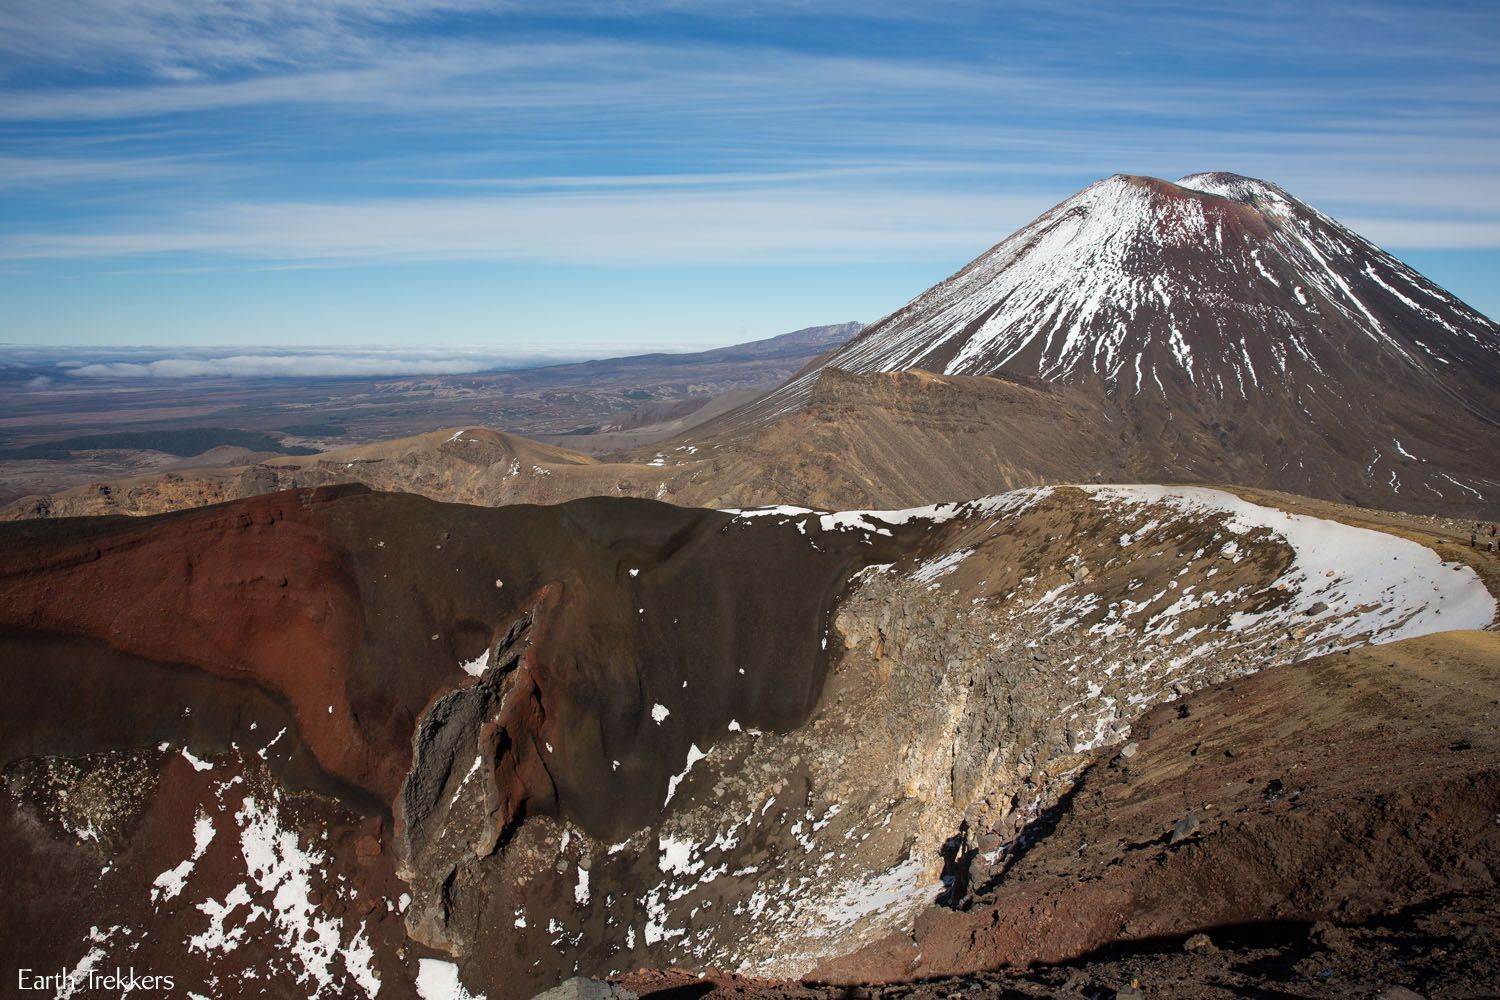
(1218, 284)
(1236, 332)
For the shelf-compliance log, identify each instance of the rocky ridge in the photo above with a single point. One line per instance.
(550, 741)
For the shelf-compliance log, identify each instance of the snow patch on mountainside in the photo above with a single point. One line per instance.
(1221, 283)
(1348, 582)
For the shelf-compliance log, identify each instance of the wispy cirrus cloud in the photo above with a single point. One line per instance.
(345, 365)
(48, 171)
(261, 134)
(644, 80)
(183, 39)
(633, 227)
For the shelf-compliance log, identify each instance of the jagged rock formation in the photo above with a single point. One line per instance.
(1342, 848)
(1349, 787)
(308, 639)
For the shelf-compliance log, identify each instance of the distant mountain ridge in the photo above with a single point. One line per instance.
(797, 344)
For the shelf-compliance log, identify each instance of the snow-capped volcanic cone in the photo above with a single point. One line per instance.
(1220, 308)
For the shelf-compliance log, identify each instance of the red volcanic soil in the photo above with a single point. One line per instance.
(257, 591)
(353, 610)
(1235, 219)
(66, 896)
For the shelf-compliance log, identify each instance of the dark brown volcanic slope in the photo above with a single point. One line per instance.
(1234, 329)
(1345, 787)
(878, 440)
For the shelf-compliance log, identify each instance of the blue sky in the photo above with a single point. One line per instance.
(588, 178)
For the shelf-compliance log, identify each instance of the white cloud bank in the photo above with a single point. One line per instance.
(770, 224)
(285, 366)
(363, 362)
(758, 224)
